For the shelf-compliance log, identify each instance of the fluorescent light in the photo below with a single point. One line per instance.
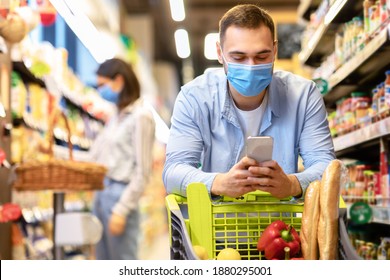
(210, 51)
(177, 10)
(84, 29)
(182, 43)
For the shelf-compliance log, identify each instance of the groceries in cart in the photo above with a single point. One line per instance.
(313, 230)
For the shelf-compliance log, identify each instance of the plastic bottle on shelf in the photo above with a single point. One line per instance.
(366, 5)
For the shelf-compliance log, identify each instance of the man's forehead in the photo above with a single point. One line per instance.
(242, 38)
(233, 31)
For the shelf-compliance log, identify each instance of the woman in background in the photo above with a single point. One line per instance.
(125, 147)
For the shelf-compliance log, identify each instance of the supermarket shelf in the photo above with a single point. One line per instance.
(89, 103)
(321, 43)
(63, 153)
(306, 7)
(366, 65)
(380, 214)
(352, 65)
(59, 134)
(362, 135)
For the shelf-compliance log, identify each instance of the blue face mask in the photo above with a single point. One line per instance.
(108, 94)
(249, 80)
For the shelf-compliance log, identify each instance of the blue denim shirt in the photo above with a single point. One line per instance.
(206, 138)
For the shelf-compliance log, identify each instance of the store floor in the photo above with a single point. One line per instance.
(158, 250)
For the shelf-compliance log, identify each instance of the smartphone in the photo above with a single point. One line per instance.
(259, 147)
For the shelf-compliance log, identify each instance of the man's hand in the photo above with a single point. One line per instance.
(248, 175)
(116, 224)
(234, 183)
(269, 177)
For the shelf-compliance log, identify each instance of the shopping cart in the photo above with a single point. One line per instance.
(234, 223)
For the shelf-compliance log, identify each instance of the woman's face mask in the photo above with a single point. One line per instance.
(249, 80)
(108, 94)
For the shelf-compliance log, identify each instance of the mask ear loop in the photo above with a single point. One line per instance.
(223, 57)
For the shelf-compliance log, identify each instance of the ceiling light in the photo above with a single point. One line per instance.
(210, 49)
(177, 10)
(182, 43)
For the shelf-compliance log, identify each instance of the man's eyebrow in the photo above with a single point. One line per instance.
(243, 53)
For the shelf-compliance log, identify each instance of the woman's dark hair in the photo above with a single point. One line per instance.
(246, 16)
(131, 89)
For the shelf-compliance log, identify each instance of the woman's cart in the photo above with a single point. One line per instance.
(234, 223)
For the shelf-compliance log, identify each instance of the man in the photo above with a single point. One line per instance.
(217, 111)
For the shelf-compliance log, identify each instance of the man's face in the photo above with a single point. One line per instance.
(248, 46)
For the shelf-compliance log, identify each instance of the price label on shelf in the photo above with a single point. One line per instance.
(360, 213)
(322, 85)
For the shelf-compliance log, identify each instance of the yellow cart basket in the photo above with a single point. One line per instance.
(235, 223)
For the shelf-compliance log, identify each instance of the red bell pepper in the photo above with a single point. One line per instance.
(276, 237)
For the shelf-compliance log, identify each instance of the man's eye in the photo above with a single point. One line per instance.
(261, 58)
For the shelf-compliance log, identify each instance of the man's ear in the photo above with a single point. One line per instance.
(219, 52)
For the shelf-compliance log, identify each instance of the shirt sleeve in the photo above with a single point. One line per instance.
(315, 144)
(185, 148)
(144, 141)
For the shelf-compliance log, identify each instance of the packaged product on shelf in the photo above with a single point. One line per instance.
(384, 12)
(387, 88)
(338, 50)
(381, 100)
(347, 116)
(384, 173)
(366, 6)
(332, 123)
(361, 103)
(359, 182)
(374, 104)
(369, 187)
(371, 251)
(384, 249)
(373, 13)
(18, 95)
(363, 185)
(377, 184)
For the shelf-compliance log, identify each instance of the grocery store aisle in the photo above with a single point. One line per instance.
(158, 250)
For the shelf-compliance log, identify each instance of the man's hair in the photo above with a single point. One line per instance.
(245, 16)
(131, 90)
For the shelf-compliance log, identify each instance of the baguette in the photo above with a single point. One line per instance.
(310, 216)
(328, 226)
